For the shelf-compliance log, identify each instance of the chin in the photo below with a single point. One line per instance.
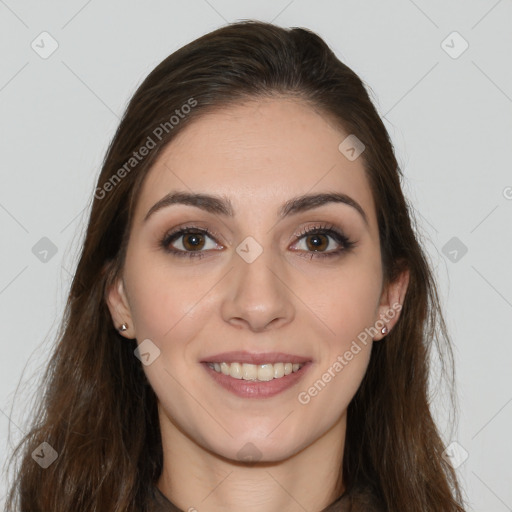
(254, 450)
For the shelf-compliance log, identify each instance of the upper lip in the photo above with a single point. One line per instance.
(241, 356)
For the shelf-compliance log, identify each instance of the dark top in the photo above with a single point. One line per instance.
(345, 503)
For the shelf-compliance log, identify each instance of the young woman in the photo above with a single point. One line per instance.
(250, 321)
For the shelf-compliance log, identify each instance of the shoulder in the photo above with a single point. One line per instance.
(157, 502)
(364, 500)
(356, 500)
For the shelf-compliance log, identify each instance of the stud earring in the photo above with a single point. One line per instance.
(122, 328)
(384, 330)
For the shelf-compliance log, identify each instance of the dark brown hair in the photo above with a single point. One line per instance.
(99, 412)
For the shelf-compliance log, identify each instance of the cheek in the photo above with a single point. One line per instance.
(330, 390)
(164, 304)
(351, 304)
(348, 307)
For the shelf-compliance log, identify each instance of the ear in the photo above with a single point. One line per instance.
(120, 312)
(391, 302)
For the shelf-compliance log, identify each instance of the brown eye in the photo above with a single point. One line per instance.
(317, 242)
(193, 241)
(321, 242)
(189, 241)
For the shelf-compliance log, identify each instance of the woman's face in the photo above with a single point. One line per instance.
(257, 283)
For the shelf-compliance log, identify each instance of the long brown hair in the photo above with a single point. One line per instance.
(99, 412)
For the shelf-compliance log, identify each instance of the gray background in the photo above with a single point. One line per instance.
(448, 113)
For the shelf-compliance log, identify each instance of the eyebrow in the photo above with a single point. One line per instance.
(222, 206)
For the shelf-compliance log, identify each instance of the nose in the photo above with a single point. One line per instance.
(258, 296)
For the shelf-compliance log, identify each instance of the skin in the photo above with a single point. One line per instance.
(259, 155)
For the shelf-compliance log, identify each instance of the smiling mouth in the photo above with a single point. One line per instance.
(256, 372)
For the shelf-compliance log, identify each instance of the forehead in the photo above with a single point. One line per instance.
(259, 154)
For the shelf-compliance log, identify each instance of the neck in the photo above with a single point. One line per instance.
(195, 478)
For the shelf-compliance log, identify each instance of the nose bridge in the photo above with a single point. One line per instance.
(258, 295)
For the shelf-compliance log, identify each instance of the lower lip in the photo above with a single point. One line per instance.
(251, 389)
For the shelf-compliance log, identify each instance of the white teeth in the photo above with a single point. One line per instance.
(278, 370)
(249, 371)
(260, 372)
(235, 370)
(265, 372)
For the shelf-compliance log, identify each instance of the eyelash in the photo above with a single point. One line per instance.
(329, 230)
